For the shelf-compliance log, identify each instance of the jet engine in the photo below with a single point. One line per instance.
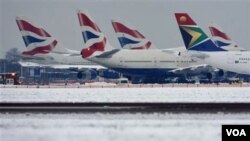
(87, 74)
(109, 74)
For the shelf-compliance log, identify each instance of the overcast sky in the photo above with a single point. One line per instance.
(154, 18)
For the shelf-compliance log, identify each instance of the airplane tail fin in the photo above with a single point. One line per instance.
(221, 39)
(95, 41)
(38, 41)
(193, 36)
(129, 37)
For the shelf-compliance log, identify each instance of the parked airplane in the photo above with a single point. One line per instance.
(153, 65)
(47, 51)
(123, 31)
(196, 40)
(129, 37)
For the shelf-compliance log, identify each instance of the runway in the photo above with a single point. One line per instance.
(124, 107)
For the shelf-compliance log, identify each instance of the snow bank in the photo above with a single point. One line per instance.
(179, 94)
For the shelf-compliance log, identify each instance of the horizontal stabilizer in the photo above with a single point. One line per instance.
(108, 54)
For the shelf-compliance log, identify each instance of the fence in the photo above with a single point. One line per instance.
(111, 85)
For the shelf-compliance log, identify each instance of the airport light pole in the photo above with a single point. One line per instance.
(4, 65)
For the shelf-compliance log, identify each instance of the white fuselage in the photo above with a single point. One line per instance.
(234, 61)
(62, 61)
(146, 62)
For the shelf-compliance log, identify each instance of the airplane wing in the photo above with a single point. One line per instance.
(177, 51)
(108, 54)
(29, 64)
(198, 55)
(170, 51)
(193, 70)
(68, 52)
(76, 67)
(62, 66)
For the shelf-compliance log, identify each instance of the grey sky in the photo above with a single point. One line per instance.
(154, 18)
(1, 31)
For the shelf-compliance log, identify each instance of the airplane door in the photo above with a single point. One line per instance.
(155, 62)
(121, 63)
(178, 61)
(230, 59)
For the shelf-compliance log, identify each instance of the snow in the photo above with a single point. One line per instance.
(156, 94)
(124, 126)
(119, 127)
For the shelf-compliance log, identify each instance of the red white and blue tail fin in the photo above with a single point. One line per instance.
(193, 36)
(221, 39)
(95, 41)
(39, 41)
(36, 39)
(129, 37)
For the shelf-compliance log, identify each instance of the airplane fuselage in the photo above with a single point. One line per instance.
(154, 63)
(234, 61)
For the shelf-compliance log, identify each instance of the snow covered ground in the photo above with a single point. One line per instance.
(117, 127)
(158, 94)
(153, 126)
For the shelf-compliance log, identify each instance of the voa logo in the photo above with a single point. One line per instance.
(236, 132)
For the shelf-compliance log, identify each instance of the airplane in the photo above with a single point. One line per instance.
(153, 66)
(130, 36)
(221, 39)
(44, 49)
(200, 46)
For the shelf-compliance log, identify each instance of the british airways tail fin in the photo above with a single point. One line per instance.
(222, 40)
(193, 36)
(95, 41)
(129, 37)
(39, 41)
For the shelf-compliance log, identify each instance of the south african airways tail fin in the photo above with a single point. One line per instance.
(193, 36)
